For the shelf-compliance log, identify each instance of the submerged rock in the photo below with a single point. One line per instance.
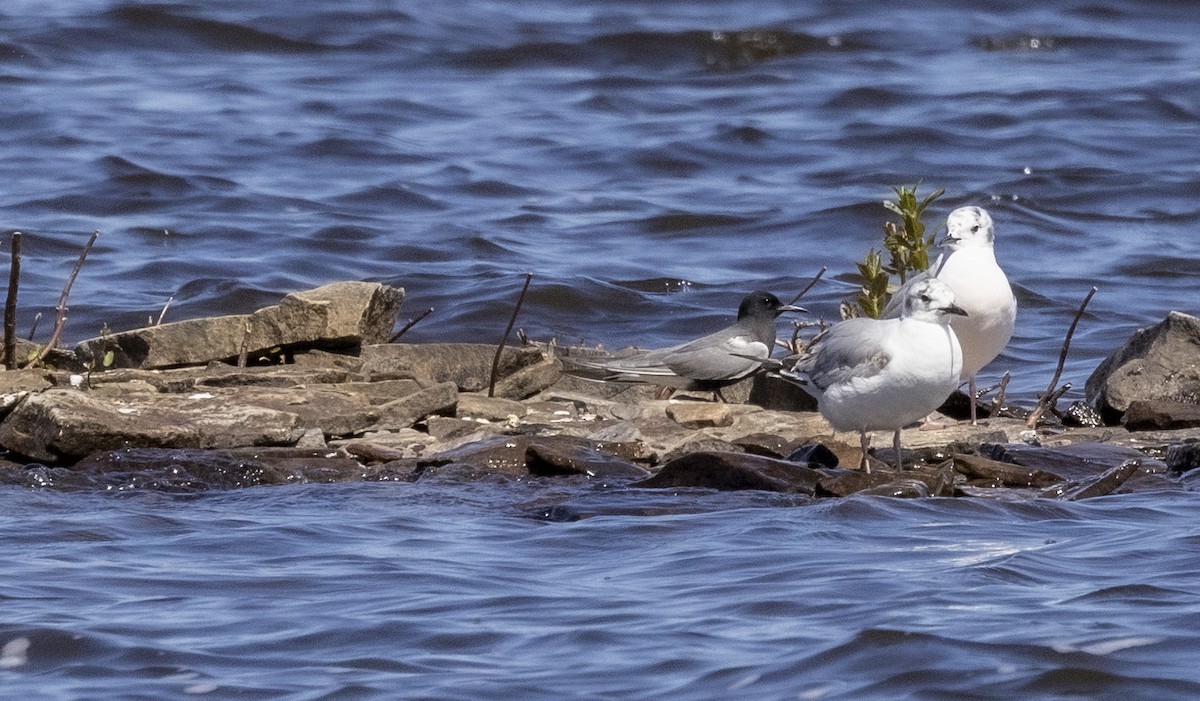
(734, 471)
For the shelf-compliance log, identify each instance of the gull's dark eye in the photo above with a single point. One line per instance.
(924, 298)
(975, 229)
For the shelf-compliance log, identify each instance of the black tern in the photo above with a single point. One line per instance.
(705, 364)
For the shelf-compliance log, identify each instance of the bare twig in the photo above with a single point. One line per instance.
(1050, 397)
(37, 318)
(396, 336)
(60, 318)
(809, 286)
(1001, 390)
(244, 353)
(10, 305)
(163, 313)
(504, 339)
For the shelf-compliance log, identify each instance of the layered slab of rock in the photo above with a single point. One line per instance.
(63, 425)
(523, 370)
(337, 314)
(1158, 363)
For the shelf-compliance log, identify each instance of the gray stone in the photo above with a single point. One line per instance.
(61, 425)
(474, 405)
(406, 411)
(467, 365)
(331, 408)
(700, 414)
(338, 314)
(530, 380)
(1160, 362)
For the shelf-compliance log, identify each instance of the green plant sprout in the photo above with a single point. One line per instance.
(908, 252)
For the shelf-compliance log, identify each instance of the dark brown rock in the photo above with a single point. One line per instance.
(938, 481)
(1160, 415)
(338, 314)
(1105, 483)
(734, 471)
(547, 458)
(772, 392)
(1160, 362)
(771, 445)
(1001, 473)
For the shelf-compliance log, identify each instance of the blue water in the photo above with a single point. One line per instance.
(275, 593)
(649, 163)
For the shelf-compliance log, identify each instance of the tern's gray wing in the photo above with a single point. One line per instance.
(709, 358)
(720, 356)
(851, 349)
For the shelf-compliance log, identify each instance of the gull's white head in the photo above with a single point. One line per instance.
(930, 299)
(969, 226)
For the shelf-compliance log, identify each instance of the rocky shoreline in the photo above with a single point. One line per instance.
(310, 390)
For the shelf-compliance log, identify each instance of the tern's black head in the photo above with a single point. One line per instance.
(764, 305)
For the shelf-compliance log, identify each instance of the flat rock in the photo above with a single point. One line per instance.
(467, 365)
(529, 380)
(61, 425)
(520, 456)
(338, 314)
(1160, 362)
(734, 471)
(700, 414)
(1004, 474)
(441, 398)
(480, 406)
(185, 469)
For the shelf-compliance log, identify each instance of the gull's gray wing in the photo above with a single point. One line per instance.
(851, 349)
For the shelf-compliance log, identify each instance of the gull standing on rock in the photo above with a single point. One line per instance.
(968, 265)
(705, 364)
(877, 374)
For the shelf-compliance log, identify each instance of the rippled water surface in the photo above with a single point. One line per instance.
(276, 593)
(649, 162)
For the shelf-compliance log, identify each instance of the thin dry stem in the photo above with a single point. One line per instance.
(162, 315)
(60, 319)
(10, 304)
(396, 336)
(812, 283)
(1050, 397)
(504, 339)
